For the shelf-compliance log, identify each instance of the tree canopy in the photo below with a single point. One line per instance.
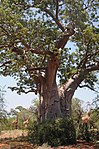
(30, 32)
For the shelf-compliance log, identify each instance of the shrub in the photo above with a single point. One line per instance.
(84, 132)
(54, 132)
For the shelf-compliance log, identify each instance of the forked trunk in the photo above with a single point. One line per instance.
(56, 101)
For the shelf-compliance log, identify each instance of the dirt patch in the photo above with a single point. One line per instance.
(27, 145)
(15, 139)
(8, 144)
(13, 133)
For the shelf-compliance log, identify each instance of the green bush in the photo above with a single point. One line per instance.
(84, 132)
(54, 132)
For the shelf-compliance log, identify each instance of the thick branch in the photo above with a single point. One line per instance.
(63, 39)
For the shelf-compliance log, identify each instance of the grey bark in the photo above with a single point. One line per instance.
(67, 91)
(56, 101)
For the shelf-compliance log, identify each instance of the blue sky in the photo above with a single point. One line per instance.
(12, 99)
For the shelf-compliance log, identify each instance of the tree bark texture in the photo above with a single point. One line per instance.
(56, 101)
(67, 91)
(49, 106)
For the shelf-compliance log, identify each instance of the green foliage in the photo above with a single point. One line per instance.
(77, 110)
(26, 25)
(94, 118)
(22, 114)
(55, 132)
(86, 132)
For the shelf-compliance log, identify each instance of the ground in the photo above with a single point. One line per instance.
(16, 139)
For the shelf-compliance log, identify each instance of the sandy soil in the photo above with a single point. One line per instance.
(9, 140)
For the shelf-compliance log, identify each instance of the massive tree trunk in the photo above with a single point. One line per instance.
(56, 101)
(49, 107)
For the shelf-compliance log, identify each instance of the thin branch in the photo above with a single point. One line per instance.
(3, 28)
(37, 51)
(37, 68)
(3, 46)
(88, 6)
(50, 13)
(4, 64)
(23, 91)
(86, 85)
(93, 67)
(84, 60)
(54, 18)
(57, 5)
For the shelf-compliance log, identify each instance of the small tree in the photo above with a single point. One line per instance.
(3, 112)
(77, 111)
(95, 113)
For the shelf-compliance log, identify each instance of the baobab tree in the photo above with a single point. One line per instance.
(33, 39)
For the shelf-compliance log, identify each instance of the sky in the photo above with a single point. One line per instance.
(12, 99)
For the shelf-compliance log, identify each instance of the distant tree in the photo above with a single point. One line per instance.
(95, 112)
(95, 102)
(34, 108)
(77, 110)
(23, 114)
(3, 112)
(33, 38)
